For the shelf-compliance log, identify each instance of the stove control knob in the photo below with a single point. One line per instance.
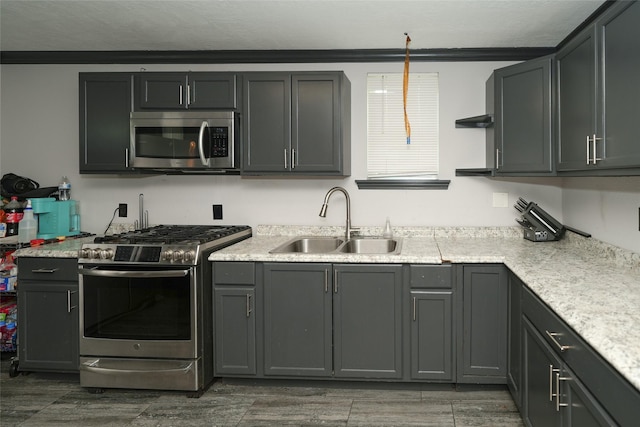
(95, 253)
(189, 256)
(167, 255)
(84, 253)
(178, 255)
(106, 254)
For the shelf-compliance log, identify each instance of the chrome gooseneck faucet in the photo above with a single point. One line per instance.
(325, 204)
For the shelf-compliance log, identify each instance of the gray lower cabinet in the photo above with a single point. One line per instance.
(48, 327)
(296, 124)
(598, 76)
(105, 106)
(367, 315)
(514, 343)
(564, 381)
(431, 316)
(482, 329)
(297, 319)
(234, 298)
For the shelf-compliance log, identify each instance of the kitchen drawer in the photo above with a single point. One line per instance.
(48, 269)
(430, 276)
(612, 390)
(234, 273)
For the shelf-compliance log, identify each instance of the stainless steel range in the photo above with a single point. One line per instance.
(146, 317)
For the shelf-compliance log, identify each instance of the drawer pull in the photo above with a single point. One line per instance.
(552, 336)
(45, 270)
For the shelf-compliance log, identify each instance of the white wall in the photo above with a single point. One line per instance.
(39, 139)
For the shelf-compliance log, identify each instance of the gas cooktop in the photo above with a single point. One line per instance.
(174, 234)
(162, 244)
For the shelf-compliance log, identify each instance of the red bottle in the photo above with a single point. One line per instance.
(14, 212)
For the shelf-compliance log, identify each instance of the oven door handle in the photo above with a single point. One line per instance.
(92, 366)
(134, 274)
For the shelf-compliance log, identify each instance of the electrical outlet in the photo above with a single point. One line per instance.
(217, 211)
(122, 210)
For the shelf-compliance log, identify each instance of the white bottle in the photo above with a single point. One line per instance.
(64, 189)
(28, 225)
(388, 232)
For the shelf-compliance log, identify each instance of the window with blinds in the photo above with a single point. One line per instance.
(388, 153)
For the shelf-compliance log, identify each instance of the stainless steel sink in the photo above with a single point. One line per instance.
(370, 246)
(336, 245)
(309, 245)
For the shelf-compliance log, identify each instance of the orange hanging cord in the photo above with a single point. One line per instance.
(405, 90)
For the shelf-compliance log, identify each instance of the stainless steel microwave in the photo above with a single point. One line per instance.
(184, 141)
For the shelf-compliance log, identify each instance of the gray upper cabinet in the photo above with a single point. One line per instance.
(482, 333)
(296, 124)
(367, 309)
(598, 95)
(182, 91)
(523, 116)
(297, 319)
(105, 106)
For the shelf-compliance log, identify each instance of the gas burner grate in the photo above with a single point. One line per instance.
(173, 234)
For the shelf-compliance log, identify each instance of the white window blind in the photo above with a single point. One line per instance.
(388, 154)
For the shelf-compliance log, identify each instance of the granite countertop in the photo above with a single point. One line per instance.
(66, 249)
(594, 287)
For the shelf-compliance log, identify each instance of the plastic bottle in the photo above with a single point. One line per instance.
(388, 232)
(3, 220)
(14, 213)
(28, 225)
(64, 189)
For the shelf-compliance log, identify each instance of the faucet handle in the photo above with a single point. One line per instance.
(355, 232)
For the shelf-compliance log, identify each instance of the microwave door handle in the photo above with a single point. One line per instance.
(203, 126)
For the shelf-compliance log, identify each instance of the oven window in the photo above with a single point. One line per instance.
(137, 308)
(170, 142)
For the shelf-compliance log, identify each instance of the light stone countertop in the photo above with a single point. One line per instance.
(65, 249)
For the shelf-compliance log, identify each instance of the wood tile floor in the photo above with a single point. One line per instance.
(40, 399)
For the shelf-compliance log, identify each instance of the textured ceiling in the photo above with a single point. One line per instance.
(96, 25)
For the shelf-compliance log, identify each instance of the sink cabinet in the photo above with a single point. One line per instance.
(48, 334)
(367, 315)
(298, 319)
(296, 124)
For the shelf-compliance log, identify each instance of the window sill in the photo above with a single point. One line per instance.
(402, 184)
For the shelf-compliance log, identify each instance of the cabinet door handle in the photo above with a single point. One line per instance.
(413, 309)
(552, 336)
(180, 96)
(326, 280)
(285, 158)
(588, 152)
(293, 158)
(551, 383)
(44, 270)
(558, 379)
(591, 143)
(335, 282)
(188, 94)
(69, 306)
(126, 157)
(248, 305)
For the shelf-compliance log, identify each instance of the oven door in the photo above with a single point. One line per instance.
(141, 312)
(183, 140)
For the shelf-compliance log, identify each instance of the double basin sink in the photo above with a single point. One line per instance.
(338, 245)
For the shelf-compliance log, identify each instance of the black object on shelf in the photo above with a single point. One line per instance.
(484, 121)
(475, 172)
